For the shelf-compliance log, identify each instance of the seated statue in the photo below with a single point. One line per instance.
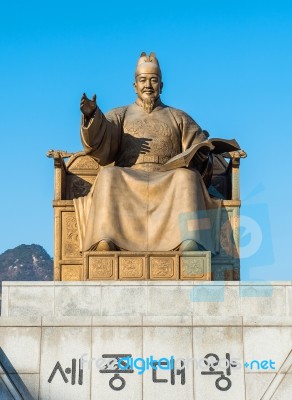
(134, 204)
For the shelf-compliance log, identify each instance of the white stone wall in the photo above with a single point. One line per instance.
(35, 344)
(164, 298)
(46, 323)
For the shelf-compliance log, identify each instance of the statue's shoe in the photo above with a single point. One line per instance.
(190, 245)
(104, 245)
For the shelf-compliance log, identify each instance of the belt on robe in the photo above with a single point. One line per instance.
(151, 158)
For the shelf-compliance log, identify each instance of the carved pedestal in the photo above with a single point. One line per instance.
(122, 265)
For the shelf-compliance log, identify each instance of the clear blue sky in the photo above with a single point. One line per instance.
(227, 63)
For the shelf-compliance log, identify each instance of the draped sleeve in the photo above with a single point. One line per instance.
(191, 132)
(101, 136)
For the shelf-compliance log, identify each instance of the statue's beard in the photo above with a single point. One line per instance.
(148, 104)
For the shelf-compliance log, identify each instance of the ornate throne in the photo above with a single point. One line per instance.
(74, 178)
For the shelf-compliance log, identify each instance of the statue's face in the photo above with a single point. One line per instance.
(148, 86)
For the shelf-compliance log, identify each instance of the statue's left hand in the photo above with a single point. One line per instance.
(202, 155)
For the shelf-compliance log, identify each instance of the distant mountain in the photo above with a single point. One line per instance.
(26, 263)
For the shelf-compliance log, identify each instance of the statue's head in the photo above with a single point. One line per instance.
(148, 84)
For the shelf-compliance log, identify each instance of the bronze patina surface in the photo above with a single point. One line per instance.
(133, 205)
(138, 203)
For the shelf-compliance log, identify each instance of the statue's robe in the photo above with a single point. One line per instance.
(131, 203)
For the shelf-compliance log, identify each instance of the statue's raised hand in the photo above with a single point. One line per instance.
(87, 106)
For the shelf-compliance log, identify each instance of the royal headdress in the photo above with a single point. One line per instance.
(148, 65)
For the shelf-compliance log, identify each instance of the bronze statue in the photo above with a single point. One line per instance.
(138, 204)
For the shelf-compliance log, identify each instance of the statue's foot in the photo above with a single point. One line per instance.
(190, 245)
(104, 245)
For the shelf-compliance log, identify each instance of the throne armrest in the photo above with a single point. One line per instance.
(235, 157)
(60, 172)
(74, 177)
(225, 175)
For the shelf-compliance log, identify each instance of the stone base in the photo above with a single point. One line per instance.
(62, 340)
(146, 298)
(80, 349)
